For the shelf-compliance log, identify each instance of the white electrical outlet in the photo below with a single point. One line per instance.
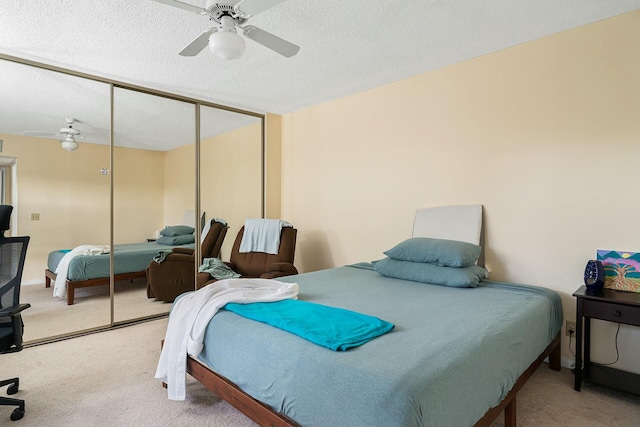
(570, 328)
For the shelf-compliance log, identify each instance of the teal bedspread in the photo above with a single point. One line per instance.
(128, 258)
(335, 328)
(454, 352)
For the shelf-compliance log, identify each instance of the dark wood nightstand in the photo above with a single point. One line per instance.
(611, 306)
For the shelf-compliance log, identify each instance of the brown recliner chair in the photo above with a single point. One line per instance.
(175, 275)
(260, 264)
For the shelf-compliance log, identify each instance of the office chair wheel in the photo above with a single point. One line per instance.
(12, 389)
(17, 414)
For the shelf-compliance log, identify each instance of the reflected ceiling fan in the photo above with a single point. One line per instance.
(223, 38)
(67, 135)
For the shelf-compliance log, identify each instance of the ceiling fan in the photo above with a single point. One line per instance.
(67, 135)
(229, 18)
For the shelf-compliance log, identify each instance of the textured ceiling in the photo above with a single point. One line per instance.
(346, 46)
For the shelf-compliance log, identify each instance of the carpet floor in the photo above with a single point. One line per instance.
(50, 316)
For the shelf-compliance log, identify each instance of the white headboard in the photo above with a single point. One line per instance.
(461, 222)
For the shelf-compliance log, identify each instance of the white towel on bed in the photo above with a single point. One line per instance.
(62, 270)
(191, 314)
(262, 235)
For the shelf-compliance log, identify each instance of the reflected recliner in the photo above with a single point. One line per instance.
(13, 251)
(175, 275)
(260, 264)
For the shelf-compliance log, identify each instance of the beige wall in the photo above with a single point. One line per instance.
(179, 184)
(72, 197)
(544, 135)
(138, 194)
(66, 189)
(231, 179)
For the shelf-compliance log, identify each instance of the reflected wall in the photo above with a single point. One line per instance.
(231, 169)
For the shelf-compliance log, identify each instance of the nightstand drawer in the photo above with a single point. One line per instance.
(611, 312)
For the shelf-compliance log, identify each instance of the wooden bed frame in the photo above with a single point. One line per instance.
(265, 416)
(72, 285)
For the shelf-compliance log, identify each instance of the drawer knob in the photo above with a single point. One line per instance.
(617, 313)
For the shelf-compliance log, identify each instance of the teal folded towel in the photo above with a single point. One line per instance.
(162, 255)
(217, 269)
(330, 327)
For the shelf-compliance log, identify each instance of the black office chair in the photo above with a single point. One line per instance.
(13, 251)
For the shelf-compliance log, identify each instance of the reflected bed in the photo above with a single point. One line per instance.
(130, 262)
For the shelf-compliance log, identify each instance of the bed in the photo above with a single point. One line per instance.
(457, 356)
(130, 262)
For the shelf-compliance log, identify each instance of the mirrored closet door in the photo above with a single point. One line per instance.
(231, 169)
(154, 183)
(55, 131)
(84, 191)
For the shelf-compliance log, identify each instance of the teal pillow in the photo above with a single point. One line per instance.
(457, 277)
(176, 230)
(447, 253)
(183, 239)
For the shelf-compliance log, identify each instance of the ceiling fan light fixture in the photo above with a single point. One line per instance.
(227, 44)
(69, 144)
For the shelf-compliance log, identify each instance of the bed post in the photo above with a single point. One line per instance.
(554, 358)
(510, 413)
(71, 293)
(48, 277)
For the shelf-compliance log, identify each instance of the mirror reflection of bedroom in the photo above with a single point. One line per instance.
(73, 197)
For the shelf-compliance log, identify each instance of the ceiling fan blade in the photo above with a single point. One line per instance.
(198, 44)
(181, 5)
(274, 43)
(41, 134)
(254, 7)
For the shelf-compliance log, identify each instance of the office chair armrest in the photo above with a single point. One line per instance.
(13, 310)
(279, 269)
